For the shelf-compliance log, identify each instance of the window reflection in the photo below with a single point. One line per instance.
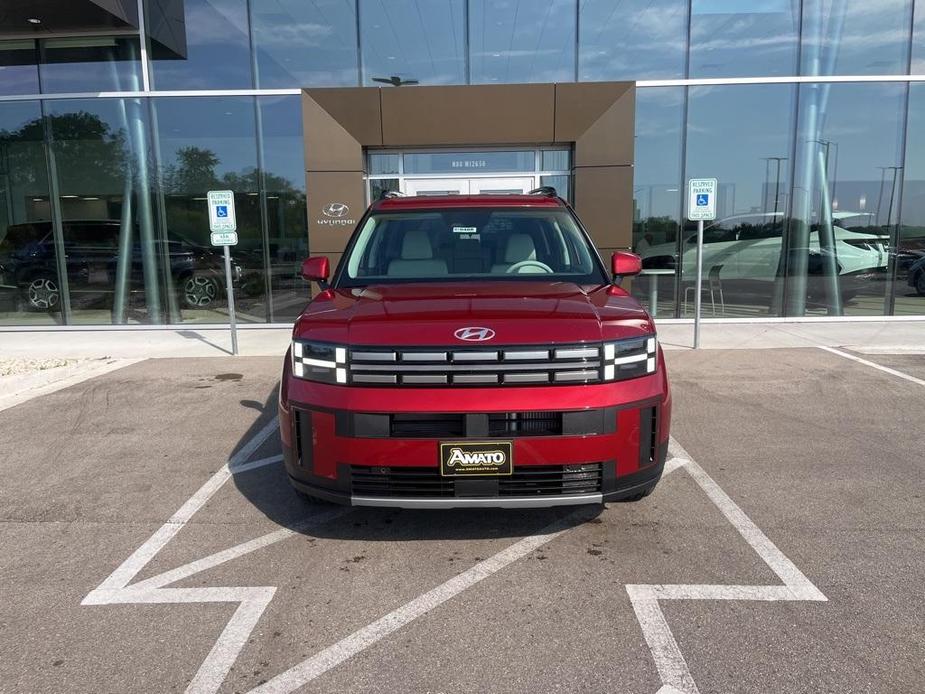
(910, 251)
(846, 196)
(657, 196)
(738, 134)
(384, 164)
(19, 73)
(70, 64)
(758, 37)
(406, 41)
(299, 44)
(90, 63)
(634, 39)
(208, 144)
(199, 44)
(25, 221)
(286, 222)
(512, 43)
(112, 250)
(918, 42)
(855, 37)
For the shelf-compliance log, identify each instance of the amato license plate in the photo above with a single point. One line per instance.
(470, 458)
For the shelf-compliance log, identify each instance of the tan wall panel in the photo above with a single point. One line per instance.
(468, 115)
(328, 234)
(604, 201)
(579, 104)
(610, 140)
(328, 145)
(355, 108)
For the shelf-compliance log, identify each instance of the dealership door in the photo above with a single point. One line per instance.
(467, 186)
(437, 186)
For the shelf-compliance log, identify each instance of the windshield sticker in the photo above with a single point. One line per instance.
(465, 230)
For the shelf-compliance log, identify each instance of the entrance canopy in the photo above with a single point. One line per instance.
(593, 122)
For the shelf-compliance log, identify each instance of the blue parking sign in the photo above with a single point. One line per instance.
(703, 200)
(222, 210)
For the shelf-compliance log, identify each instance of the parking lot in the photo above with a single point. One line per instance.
(149, 542)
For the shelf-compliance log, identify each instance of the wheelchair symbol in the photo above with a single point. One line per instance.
(703, 200)
(222, 210)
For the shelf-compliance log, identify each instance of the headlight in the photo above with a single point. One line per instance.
(630, 358)
(319, 361)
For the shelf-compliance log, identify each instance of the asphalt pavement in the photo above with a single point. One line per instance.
(149, 542)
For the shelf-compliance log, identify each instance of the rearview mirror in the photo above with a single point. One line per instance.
(316, 269)
(625, 264)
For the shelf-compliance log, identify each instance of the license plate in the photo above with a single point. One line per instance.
(467, 458)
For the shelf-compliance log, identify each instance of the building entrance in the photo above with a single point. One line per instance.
(468, 172)
(469, 186)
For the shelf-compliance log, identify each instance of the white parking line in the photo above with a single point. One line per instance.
(140, 557)
(360, 640)
(672, 668)
(879, 367)
(115, 589)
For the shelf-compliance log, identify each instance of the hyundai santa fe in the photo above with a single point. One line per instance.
(473, 351)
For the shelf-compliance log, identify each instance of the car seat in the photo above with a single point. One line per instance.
(417, 257)
(519, 247)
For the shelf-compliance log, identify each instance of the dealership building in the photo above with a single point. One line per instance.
(117, 117)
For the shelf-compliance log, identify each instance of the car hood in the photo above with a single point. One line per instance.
(430, 314)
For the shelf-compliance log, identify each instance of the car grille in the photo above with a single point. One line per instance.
(417, 482)
(513, 366)
(508, 424)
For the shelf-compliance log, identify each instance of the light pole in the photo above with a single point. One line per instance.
(778, 161)
(889, 213)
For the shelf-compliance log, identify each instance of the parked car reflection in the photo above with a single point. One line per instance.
(916, 277)
(744, 252)
(28, 264)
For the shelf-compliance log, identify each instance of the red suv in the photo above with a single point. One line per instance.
(473, 352)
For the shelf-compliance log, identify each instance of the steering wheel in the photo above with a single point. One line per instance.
(517, 267)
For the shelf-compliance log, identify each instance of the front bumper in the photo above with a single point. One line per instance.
(628, 486)
(572, 445)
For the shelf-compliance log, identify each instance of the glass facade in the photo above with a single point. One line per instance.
(110, 141)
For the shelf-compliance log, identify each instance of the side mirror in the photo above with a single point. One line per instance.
(625, 264)
(316, 269)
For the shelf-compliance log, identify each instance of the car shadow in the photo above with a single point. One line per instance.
(267, 488)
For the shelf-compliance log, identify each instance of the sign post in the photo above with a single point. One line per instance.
(224, 225)
(701, 206)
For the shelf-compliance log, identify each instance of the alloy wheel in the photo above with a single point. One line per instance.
(199, 291)
(43, 294)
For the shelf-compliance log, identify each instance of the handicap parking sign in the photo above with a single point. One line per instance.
(221, 211)
(702, 199)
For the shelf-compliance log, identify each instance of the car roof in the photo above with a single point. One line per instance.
(429, 202)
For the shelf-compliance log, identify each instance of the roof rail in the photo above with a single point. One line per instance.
(548, 191)
(386, 194)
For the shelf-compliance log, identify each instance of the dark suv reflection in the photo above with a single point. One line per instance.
(27, 263)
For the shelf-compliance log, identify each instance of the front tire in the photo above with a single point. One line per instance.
(42, 294)
(920, 283)
(200, 291)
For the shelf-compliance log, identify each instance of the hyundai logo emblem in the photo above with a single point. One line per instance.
(335, 209)
(473, 334)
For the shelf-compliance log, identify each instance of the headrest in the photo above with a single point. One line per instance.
(519, 247)
(416, 246)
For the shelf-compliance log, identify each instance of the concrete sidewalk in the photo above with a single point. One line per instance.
(863, 336)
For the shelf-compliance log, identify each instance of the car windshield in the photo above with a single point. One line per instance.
(470, 244)
(18, 235)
